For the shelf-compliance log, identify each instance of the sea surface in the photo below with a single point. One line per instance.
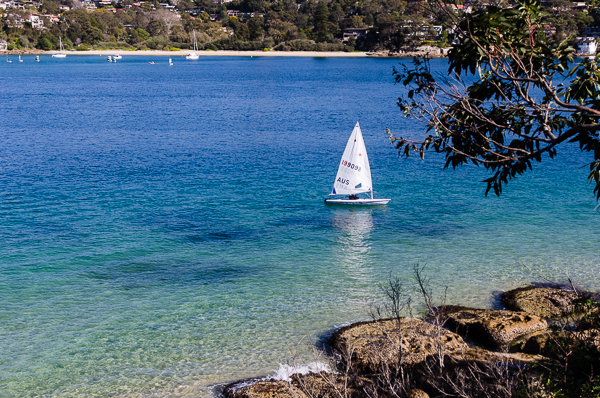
(163, 231)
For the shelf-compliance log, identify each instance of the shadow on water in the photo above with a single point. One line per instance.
(224, 236)
(141, 275)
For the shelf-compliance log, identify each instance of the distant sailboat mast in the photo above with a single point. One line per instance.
(193, 54)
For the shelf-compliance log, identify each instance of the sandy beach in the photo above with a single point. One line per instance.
(431, 52)
(223, 53)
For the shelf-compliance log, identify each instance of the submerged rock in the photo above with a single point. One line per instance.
(494, 328)
(541, 301)
(391, 343)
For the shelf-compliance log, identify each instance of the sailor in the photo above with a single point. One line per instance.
(353, 197)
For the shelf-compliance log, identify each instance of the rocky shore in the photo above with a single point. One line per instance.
(458, 351)
(24, 52)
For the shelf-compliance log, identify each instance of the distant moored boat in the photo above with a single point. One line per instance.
(193, 55)
(60, 54)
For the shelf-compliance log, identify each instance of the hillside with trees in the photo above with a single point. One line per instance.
(316, 25)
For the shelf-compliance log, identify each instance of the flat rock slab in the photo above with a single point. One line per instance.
(267, 389)
(479, 355)
(540, 301)
(494, 328)
(326, 385)
(371, 346)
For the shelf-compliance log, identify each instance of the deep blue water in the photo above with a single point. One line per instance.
(162, 229)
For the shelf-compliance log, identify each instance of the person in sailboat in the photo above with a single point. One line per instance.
(353, 197)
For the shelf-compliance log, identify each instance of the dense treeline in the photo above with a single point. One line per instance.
(280, 25)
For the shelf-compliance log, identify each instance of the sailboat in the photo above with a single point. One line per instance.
(59, 54)
(354, 174)
(193, 55)
(20, 60)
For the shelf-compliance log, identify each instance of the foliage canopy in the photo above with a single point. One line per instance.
(511, 96)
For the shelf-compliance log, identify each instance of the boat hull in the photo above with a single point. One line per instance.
(357, 202)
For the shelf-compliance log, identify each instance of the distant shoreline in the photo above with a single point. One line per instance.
(224, 53)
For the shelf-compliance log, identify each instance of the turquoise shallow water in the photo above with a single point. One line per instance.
(162, 229)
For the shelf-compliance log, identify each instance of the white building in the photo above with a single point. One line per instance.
(8, 4)
(36, 21)
(586, 45)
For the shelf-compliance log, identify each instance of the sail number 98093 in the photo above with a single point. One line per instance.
(351, 165)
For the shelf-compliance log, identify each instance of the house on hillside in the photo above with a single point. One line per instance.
(586, 45)
(592, 31)
(90, 6)
(462, 8)
(549, 30)
(35, 21)
(8, 4)
(354, 32)
(51, 17)
(580, 6)
(3, 45)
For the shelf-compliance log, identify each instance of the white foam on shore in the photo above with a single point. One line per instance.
(285, 372)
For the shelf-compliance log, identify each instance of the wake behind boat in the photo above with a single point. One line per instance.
(354, 174)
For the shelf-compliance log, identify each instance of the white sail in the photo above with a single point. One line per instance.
(354, 174)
